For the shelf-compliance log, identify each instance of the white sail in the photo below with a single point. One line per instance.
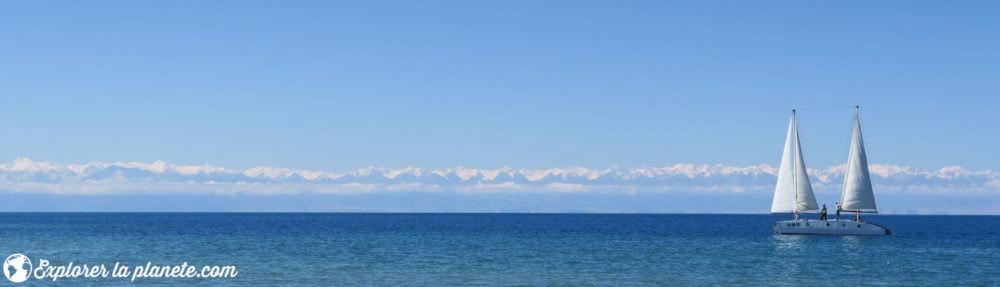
(793, 193)
(784, 192)
(804, 191)
(857, 194)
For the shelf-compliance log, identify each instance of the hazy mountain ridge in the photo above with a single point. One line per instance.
(693, 176)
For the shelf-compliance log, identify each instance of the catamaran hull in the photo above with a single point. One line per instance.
(828, 227)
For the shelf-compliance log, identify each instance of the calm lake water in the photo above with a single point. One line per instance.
(386, 249)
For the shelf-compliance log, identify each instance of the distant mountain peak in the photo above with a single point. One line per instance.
(671, 177)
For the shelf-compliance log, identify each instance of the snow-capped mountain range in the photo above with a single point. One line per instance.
(26, 175)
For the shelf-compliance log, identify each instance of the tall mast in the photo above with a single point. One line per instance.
(795, 165)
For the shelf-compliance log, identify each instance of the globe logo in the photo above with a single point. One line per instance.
(16, 267)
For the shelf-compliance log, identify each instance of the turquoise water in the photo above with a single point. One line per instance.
(508, 249)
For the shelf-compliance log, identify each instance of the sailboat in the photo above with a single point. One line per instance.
(793, 192)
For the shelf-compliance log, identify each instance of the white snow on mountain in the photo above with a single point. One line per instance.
(25, 175)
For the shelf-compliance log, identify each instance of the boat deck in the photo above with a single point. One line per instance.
(829, 227)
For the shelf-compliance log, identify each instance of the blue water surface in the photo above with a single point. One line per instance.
(391, 249)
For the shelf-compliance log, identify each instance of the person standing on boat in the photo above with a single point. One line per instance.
(838, 211)
(822, 214)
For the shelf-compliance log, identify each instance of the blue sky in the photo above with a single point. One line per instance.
(340, 85)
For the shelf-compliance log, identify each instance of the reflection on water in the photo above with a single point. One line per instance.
(789, 242)
(787, 250)
(851, 244)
